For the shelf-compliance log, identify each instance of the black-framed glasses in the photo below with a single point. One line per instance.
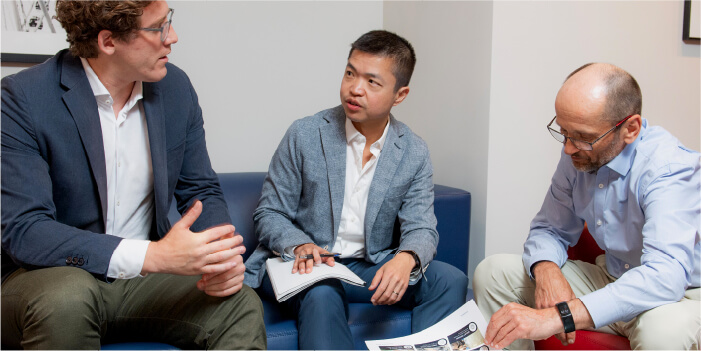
(165, 29)
(580, 144)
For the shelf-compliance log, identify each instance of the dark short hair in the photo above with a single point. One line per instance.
(83, 21)
(388, 44)
(623, 95)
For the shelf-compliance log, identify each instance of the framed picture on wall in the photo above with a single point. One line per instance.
(29, 31)
(692, 21)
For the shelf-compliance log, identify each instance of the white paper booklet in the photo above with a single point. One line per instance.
(287, 284)
(461, 330)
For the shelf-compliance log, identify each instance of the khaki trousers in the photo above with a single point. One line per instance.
(67, 308)
(501, 279)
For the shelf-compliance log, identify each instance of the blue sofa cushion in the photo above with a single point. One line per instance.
(367, 322)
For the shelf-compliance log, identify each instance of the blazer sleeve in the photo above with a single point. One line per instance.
(196, 179)
(31, 235)
(282, 189)
(416, 216)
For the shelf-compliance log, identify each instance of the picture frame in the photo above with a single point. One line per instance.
(691, 33)
(30, 34)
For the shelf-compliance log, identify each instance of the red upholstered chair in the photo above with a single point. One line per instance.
(586, 250)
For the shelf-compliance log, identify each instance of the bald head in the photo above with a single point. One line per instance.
(601, 89)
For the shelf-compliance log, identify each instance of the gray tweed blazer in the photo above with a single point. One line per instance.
(303, 192)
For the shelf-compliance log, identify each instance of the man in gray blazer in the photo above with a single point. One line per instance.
(95, 143)
(340, 181)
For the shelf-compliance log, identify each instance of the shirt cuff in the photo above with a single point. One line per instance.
(128, 259)
(289, 253)
(530, 261)
(602, 307)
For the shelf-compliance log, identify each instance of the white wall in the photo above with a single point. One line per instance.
(448, 104)
(13, 67)
(258, 66)
(535, 45)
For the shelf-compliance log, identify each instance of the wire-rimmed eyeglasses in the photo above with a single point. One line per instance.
(165, 29)
(580, 144)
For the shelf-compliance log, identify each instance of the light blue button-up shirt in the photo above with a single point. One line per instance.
(643, 209)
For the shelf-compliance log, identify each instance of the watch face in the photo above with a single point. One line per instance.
(563, 308)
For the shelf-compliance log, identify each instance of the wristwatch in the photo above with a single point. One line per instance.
(415, 256)
(566, 316)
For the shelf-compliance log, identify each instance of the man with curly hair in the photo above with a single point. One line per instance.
(95, 143)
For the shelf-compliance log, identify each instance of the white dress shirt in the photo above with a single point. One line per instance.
(351, 232)
(350, 241)
(130, 203)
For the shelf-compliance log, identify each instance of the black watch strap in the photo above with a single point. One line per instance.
(566, 316)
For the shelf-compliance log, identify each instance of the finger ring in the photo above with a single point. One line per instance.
(395, 292)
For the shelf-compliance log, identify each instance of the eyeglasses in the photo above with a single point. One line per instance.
(580, 144)
(165, 29)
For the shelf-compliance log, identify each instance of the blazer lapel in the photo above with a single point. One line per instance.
(333, 142)
(391, 156)
(155, 121)
(81, 103)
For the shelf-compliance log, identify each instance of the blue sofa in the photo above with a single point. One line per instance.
(367, 322)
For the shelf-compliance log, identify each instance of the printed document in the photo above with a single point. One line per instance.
(287, 284)
(461, 330)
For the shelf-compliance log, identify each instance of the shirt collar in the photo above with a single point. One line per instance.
(99, 89)
(621, 164)
(352, 133)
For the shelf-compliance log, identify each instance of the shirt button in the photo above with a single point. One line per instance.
(601, 186)
(598, 222)
(626, 266)
(121, 274)
(117, 203)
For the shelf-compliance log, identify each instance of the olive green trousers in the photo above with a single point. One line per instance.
(67, 308)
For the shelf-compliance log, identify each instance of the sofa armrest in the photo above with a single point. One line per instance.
(453, 207)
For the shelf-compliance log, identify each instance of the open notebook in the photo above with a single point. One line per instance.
(287, 284)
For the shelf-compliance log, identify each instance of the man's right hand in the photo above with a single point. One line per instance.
(183, 252)
(551, 287)
(305, 265)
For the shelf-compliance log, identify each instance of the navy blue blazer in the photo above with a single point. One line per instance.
(54, 187)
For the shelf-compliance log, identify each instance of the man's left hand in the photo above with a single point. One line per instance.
(515, 321)
(552, 287)
(225, 283)
(392, 279)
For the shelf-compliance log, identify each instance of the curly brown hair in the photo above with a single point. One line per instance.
(83, 21)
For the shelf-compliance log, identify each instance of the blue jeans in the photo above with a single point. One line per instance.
(322, 309)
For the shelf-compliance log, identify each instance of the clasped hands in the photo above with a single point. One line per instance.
(390, 281)
(515, 321)
(214, 253)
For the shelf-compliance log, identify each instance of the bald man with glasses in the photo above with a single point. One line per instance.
(639, 190)
(96, 142)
